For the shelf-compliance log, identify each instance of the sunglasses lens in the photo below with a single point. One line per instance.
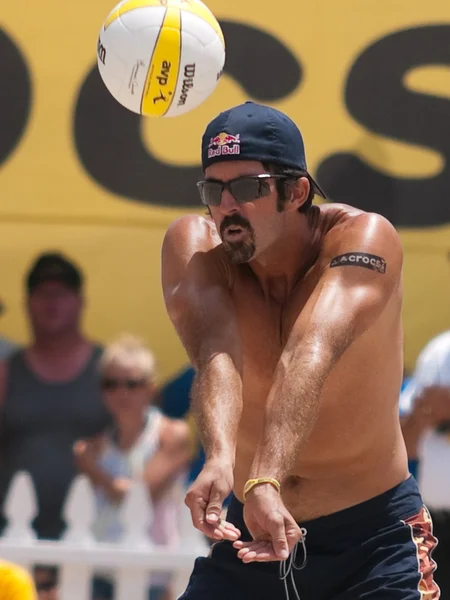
(114, 384)
(210, 192)
(246, 189)
(243, 189)
(110, 384)
(133, 384)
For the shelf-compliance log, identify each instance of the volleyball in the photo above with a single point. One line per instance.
(160, 58)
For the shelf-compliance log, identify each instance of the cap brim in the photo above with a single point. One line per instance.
(317, 187)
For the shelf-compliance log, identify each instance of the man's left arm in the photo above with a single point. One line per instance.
(362, 272)
(356, 286)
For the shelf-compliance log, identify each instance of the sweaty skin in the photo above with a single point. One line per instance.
(300, 380)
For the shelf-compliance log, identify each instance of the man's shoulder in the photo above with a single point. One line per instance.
(343, 217)
(193, 231)
(347, 228)
(192, 250)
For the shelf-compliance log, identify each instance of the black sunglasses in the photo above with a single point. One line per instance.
(110, 383)
(243, 189)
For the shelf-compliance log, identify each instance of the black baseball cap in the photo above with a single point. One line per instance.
(252, 131)
(54, 266)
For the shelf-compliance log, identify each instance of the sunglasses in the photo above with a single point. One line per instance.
(243, 189)
(111, 384)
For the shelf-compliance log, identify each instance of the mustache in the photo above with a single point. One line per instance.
(234, 219)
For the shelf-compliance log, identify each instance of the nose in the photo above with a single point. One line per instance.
(228, 204)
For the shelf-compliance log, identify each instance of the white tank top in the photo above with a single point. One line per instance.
(130, 464)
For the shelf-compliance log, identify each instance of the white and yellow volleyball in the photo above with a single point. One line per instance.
(161, 58)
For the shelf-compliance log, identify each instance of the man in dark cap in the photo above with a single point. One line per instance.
(291, 315)
(49, 392)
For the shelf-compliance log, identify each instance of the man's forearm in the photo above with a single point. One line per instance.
(217, 407)
(291, 413)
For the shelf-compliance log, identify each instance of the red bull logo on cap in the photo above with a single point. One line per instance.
(224, 144)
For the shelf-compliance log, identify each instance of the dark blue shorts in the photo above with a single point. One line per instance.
(377, 550)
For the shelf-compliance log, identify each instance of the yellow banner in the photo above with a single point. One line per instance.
(367, 82)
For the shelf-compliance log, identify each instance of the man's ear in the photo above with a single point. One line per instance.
(297, 193)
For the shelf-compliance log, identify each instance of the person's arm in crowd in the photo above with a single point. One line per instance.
(425, 402)
(86, 454)
(172, 457)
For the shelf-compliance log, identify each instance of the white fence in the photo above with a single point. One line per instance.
(78, 554)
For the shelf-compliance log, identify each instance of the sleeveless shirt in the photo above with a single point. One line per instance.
(40, 422)
(164, 527)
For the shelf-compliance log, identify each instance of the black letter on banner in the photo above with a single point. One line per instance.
(377, 98)
(108, 136)
(15, 96)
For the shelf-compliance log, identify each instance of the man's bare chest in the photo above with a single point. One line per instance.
(265, 324)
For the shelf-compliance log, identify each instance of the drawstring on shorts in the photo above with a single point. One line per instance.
(287, 566)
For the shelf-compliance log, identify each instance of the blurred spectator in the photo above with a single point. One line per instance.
(425, 416)
(406, 379)
(49, 394)
(6, 346)
(15, 583)
(46, 582)
(142, 445)
(175, 396)
(174, 399)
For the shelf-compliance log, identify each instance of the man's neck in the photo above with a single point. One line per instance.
(285, 263)
(58, 345)
(59, 359)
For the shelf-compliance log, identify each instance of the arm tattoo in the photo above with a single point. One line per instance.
(359, 259)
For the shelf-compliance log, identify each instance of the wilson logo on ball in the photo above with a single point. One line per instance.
(181, 45)
(188, 83)
(101, 52)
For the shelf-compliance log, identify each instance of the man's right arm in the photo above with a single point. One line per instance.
(200, 306)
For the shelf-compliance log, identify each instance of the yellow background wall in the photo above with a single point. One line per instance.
(49, 200)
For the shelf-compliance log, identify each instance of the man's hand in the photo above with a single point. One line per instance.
(205, 498)
(272, 527)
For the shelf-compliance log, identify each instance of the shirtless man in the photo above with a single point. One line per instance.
(291, 315)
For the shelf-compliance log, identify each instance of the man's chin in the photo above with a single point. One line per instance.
(239, 253)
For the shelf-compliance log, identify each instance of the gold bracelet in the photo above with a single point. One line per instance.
(251, 483)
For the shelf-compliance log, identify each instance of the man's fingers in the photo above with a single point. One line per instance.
(229, 531)
(197, 508)
(255, 551)
(224, 530)
(277, 532)
(214, 508)
(293, 535)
